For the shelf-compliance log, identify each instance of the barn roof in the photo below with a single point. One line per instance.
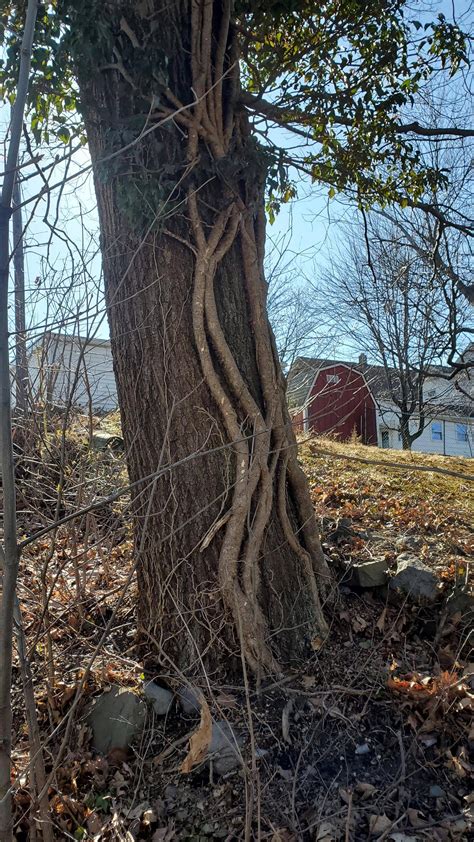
(305, 369)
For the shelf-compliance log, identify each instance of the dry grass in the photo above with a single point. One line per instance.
(380, 681)
(386, 503)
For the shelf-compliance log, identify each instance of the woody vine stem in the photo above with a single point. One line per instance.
(266, 466)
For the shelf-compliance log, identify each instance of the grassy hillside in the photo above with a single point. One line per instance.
(386, 502)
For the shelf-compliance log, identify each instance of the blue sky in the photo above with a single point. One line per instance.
(302, 226)
(310, 228)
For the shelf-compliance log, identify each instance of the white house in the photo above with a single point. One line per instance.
(447, 432)
(448, 414)
(73, 370)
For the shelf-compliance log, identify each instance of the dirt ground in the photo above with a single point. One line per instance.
(370, 741)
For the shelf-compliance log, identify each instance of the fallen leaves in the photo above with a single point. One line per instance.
(459, 763)
(365, 790)
(415, 819)
(380, 624)
(359, 624)
(379, 824)
(436, 703)
(327, 832)
(418, 687)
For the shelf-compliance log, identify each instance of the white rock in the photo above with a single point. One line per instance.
(116, 718)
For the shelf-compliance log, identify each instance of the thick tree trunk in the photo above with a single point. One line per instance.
(229, 554)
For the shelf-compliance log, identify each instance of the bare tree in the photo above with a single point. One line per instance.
(290, 308)
(402, 311)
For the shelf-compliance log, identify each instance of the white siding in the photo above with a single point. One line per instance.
(69, 370)
(448, 446)
(459, 448)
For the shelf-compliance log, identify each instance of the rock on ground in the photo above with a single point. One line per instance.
(160, 698)
(224, 747)
(116, 717)
(370, 574)
(414, 578)
(189, 699)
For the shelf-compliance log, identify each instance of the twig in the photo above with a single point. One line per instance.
(349, 817)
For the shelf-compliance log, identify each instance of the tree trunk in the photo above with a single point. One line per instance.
(229, 554)
(405, 433)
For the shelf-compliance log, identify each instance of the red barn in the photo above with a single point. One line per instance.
(332, 398)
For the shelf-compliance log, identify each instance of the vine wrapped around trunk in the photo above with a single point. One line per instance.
(228, 543)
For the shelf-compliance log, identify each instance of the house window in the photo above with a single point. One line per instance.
(461, 432)
(332, 378)
(437, 431)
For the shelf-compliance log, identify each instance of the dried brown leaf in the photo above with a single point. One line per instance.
(200, 740)
(359, 624)
(380, 624)
(345, 795)
(225, 700)
(379, 824)
(326, 832)
(365, 790)
(414, 818)
(94, 824)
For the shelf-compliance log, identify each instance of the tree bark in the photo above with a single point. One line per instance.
(229, 554)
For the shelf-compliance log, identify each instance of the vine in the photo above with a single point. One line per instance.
(266, 468)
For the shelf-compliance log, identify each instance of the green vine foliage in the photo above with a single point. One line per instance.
(336, 73)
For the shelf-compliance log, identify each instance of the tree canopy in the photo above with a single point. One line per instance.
(340, 75)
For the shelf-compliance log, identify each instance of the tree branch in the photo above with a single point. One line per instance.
(424, 131)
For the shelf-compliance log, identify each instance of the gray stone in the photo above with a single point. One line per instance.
(160, 698)
(101, 440)
(414, 578)
(116, 718)
(370, 574)
(189, 699)
(224, 747)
